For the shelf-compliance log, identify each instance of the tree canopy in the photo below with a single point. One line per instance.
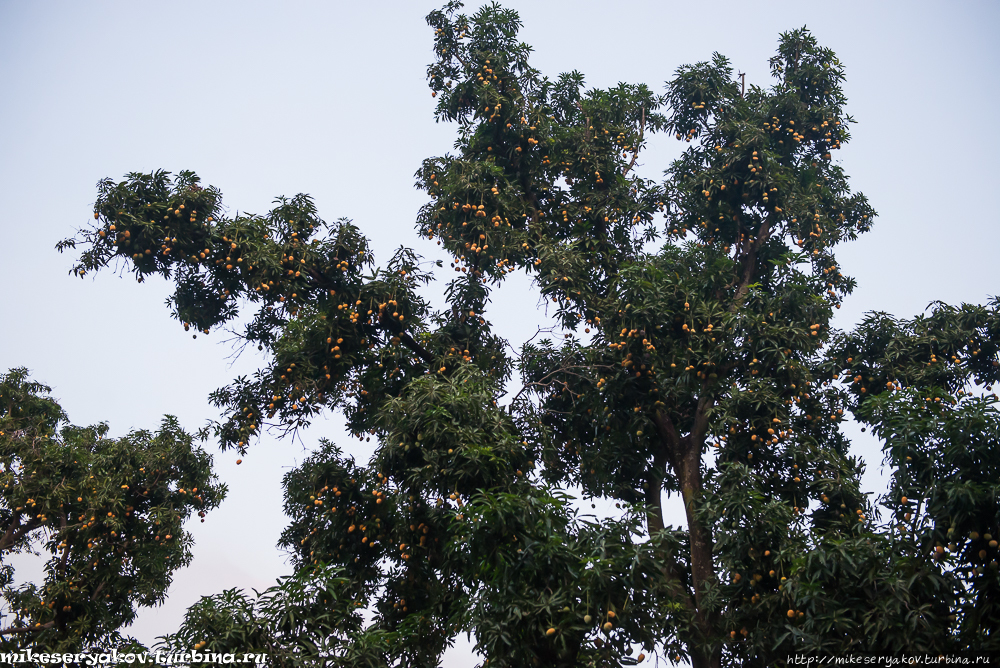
(107, 512)
(695, 357)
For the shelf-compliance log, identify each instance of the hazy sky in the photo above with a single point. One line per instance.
(329, 98)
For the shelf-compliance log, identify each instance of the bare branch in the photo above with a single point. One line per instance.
(562, 369)
(17, 531)
(26, 629)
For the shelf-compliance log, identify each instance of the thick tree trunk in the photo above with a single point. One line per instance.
(684, 456)
(702, 565)
(707, 661)
(702, 568)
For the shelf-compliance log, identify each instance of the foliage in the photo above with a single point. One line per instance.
(301, 621)
(943, 446)
(107, 512)
(706, 367)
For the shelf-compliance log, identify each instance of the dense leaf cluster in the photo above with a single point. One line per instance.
(311, 618)
(108, 514)
(696, 358)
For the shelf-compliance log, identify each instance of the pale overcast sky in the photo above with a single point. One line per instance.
(329, 98)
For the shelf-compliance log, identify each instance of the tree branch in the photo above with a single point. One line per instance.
(17, 532)
(412, 344)
(26, 629)
(684, 455)
(654, 512)
(668, 436)
(562, 369)
(700, 426)
(93, 597)
(642, 131)
(750, 261)
(65, 555)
